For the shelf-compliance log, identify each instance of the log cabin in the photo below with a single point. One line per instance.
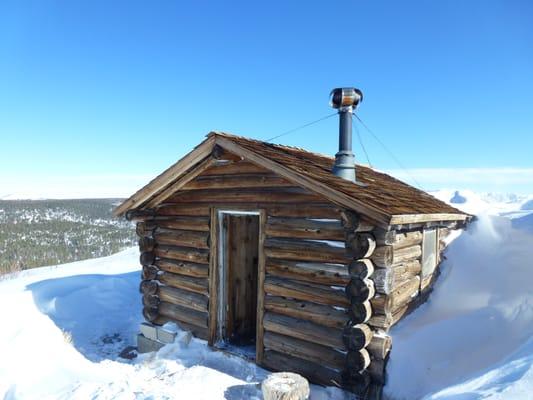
(300, 261)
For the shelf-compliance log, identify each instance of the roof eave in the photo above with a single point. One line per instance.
(163, 180)
(402, 219)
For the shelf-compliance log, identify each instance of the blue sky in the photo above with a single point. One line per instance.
(116, 91)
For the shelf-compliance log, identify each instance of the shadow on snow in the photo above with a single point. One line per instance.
(101, 314)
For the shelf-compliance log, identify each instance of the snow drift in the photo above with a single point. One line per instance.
(478, 323)
(524, 223)
(63, 328)
(479, 314)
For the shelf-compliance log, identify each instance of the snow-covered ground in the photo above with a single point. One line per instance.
(64, 326)
(473, 339)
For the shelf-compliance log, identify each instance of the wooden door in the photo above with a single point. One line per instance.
(241, 256)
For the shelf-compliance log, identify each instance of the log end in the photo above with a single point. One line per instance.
(360, 312)
(149, 272)
(147, 258)
(357, 360)
(360, 290)
(356, 337)
(150, 313)
(361, 269)
(360, 244)
(149, 287)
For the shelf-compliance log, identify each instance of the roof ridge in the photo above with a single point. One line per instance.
(283, 146)
(304, 155)
(232, 135)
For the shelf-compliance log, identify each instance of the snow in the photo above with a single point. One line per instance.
(511, 379)
(332, 243)
(64, 326)
(473, 338)
(524, 223)
(527, 205)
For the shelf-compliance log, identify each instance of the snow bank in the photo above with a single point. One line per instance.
(510, 379)
(55, 320)
(524, 223)
(63, 328)
(479, 314)
(527, 205)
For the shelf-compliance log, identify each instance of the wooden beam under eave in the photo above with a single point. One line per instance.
(167, 177)
(180, 182)
(403, 219)
(318, 187)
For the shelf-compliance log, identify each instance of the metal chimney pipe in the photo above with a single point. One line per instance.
(345, 100)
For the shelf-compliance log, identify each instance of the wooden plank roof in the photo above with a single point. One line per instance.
(382, 198)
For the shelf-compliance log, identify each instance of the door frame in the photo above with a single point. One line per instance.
(216, 274)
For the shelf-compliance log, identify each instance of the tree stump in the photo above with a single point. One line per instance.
(285, 386)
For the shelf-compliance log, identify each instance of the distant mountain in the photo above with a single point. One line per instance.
(509, 198)
(457, 198)
(35, 233)
(478, 203)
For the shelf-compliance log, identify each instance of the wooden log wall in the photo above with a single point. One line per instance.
(397, 263)
(305, 266)
(318, 298)
(334, 284)
(386, 271)
(361, 244)
(175, 261)
(306, 307)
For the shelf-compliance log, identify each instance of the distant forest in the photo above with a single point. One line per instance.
(36, 233)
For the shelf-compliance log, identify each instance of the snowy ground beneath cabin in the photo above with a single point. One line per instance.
(64, 326)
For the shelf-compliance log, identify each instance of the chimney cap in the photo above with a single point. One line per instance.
(345, 97)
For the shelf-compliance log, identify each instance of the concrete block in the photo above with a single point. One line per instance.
(165, 336)
(149, 331)
(145, 345)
